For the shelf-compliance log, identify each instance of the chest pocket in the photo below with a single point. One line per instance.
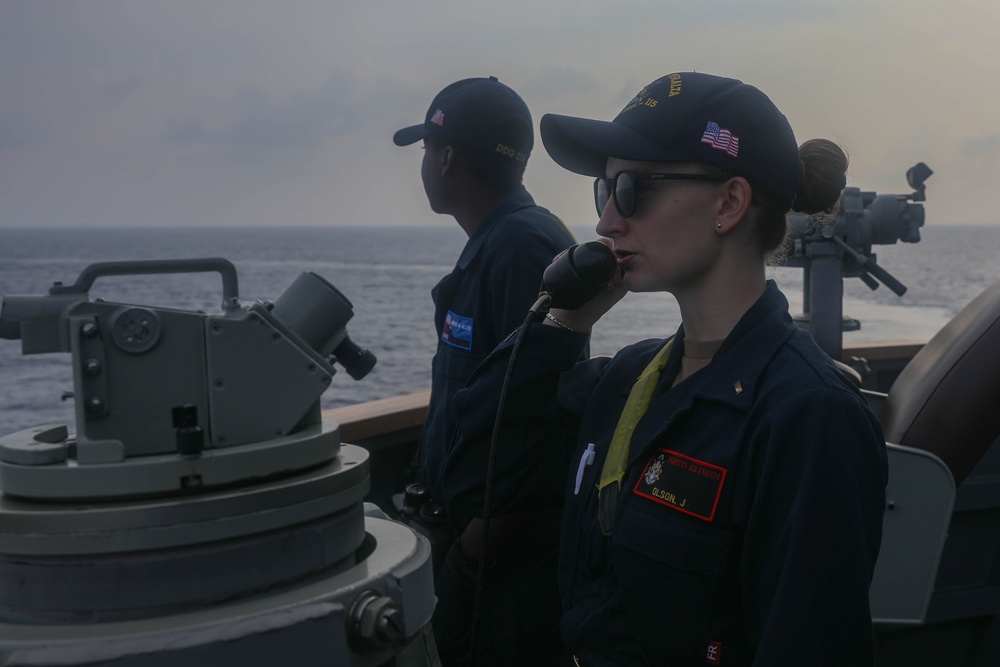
(455, 363)
(671, 571)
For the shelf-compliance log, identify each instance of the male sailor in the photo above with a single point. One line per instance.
(477, 135)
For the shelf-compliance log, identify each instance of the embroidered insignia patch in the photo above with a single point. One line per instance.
(682, 483)
(457, 331)
(655, 469)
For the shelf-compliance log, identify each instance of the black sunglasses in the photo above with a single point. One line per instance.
(621, 188)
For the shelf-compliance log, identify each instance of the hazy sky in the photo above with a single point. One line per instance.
(271, 112)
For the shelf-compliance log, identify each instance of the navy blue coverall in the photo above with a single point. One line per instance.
(749, 520)
(485, 298)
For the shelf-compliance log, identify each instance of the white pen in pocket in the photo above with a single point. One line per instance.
(585, 460)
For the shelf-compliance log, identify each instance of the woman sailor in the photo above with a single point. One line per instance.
(724, 487)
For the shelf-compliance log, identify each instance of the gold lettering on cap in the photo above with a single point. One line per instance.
(675, 84)
(511, 153)
(641, 99)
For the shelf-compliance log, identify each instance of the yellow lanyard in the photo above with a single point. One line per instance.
(635, 407)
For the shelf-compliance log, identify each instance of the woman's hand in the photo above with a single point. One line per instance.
(584, 318)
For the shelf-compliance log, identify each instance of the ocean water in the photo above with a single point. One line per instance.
(388, 273)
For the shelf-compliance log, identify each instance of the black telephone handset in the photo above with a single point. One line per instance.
(579, 274)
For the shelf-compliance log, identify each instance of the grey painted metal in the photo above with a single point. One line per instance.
(825, 286)
(920, 497)
(35, 321)
(261, 378)
(220, 265)
(304, 625)
(245, 382)
(313, 309)
(38, 528)
(203, 513)
(97, 479)
(831, 247)
(146, 584)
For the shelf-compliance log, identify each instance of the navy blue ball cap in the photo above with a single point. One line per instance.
(686, 117)
(477, 112)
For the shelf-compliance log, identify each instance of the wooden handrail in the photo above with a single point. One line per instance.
(373, 418)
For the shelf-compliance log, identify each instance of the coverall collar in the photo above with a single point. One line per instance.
(518, 198)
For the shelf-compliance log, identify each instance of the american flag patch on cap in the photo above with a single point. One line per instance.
(438, 118)
(721, 139)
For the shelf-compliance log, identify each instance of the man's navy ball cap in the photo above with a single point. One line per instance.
(477, 112)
